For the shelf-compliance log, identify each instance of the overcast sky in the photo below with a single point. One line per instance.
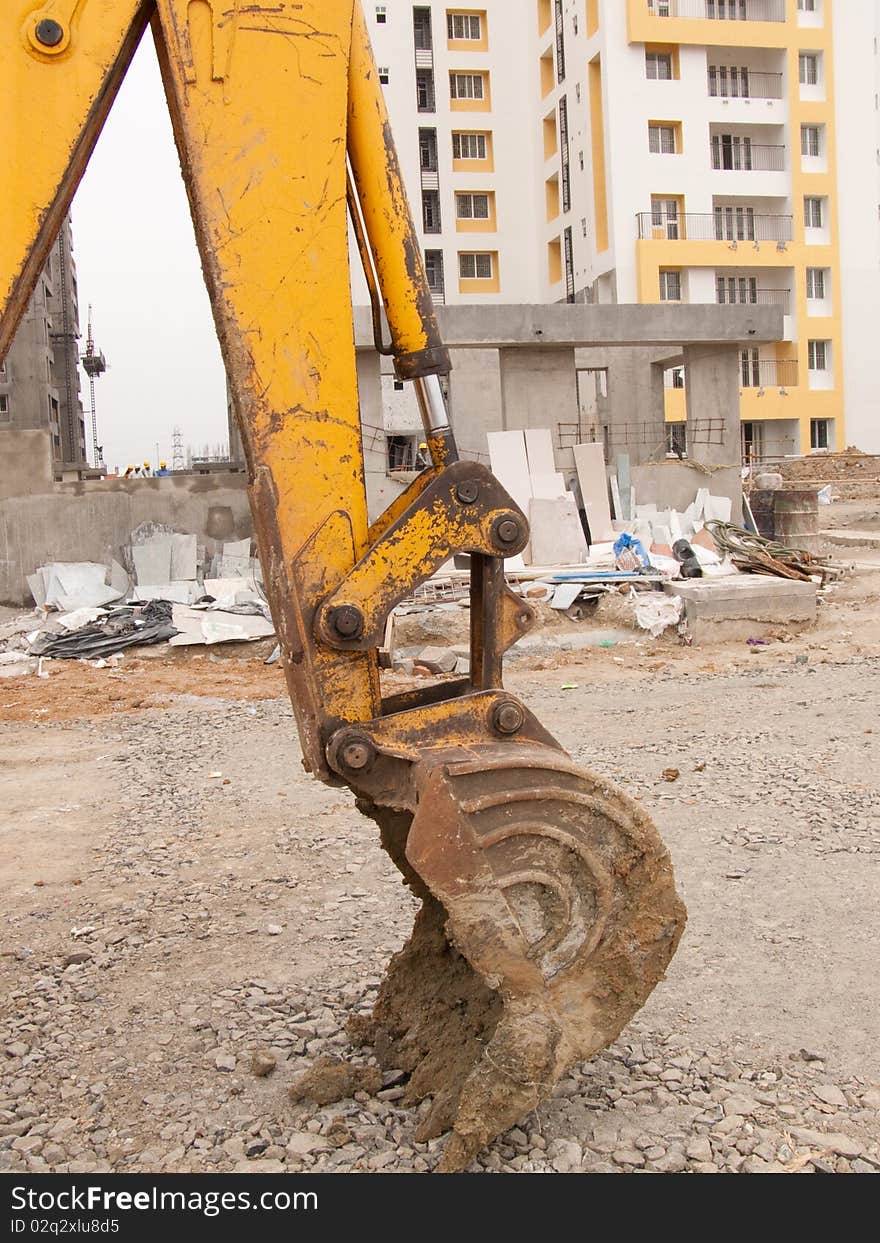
(138, 266)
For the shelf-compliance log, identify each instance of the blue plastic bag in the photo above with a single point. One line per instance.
(627, 541)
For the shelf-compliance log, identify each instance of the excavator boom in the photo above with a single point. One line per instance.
(549, 909)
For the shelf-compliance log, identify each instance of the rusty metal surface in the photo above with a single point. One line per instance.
(556, 891)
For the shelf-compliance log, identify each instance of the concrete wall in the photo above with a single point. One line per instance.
(26, 462)
(93, 520)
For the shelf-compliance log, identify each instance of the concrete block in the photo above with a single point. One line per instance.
(743, 606)
(183, 557)
(557, 535)
(589, 460)
(437, 659)
(152, 561)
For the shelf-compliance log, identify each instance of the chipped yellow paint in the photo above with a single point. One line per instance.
(266, 101)
(47, 103)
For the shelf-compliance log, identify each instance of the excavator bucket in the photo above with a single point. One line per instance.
(548, 915)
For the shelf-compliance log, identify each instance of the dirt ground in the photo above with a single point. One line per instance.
(179, 895)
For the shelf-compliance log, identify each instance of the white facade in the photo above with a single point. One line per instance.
(502, 119)
(857, 97)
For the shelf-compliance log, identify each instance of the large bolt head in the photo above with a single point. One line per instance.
(508, 717)
(347, 620)
(508, 531)
(467, 491)
(49, 32)
(356, 755)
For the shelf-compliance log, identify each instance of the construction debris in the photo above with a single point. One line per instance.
(655, 611)
(759, 555)
(67, 586)
(122, 627)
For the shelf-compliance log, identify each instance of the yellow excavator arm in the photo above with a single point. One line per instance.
(549, 910)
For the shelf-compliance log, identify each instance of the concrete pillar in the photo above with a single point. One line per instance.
(476, 400)
(632, 416)
(712, 384)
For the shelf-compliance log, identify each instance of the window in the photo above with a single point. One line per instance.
(568, 252)
(735, 224)
(817, 355)
(4, 406)
(820, 433)
(816, 283)
(399, 386)
(676, 377)
(472, 206)
(428, 150)
(464, 26)
(810, 140)
(564, 154)
(729, 81)
(730, 151)
(560, 42)
(422, 30)
(670, 286)
(431, 211)
(806, 6)
(381, 14)
(434, 272)
(727, 10)
(813, 213)
(750, 364)
(425, 99)
(752, 438)
(676, 436)
(382, 70)
(664, 218)
(658, 66)
(661, 139)
(475, 267)
(466, 86)
(735, 290)
(469, 146)
(808, 68)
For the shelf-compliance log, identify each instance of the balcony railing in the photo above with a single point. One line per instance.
(721, 10)
(730, 82)
(758, 297)
(741, 155)
(768, 373)
(724, 225)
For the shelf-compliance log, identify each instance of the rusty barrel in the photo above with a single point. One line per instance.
(796, 518)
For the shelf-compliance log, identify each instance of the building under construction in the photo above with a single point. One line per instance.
(40, 381)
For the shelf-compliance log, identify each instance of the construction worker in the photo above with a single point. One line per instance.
(129, 471)
(163, 469)
(147, 470)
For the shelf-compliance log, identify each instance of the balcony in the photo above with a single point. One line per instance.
(768, 372)
(741, 155)
(732, 82)
(720, 10)
(758, 297)
(723, 225)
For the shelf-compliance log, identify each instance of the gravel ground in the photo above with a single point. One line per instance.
(181, 897)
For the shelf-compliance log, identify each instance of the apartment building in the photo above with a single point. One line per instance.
(719, 167)
(39, 379)
(463, 126)
(699, 151)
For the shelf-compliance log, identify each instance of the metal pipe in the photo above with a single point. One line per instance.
(435, 420)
